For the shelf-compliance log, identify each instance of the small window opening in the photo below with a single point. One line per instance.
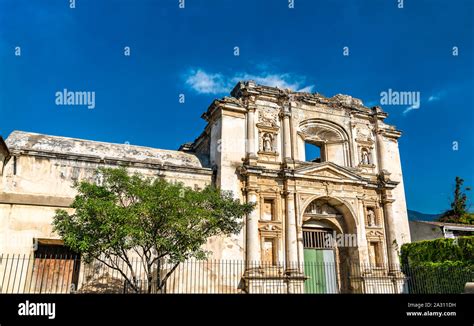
(313, 153)
(14, 165)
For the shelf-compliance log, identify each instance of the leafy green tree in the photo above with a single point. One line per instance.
(458, 212)
(157, 221)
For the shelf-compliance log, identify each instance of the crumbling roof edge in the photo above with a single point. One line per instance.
(115, 151)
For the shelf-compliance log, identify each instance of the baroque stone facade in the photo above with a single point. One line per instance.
(254, 145)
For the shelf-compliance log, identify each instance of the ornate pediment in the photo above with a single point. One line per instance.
(374, 234)
(269, 228)
(276, 227)
(328, 171)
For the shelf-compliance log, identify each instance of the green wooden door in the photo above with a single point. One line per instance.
(319, 266)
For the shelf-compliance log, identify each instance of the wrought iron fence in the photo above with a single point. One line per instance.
(70, 274)
(438, 278)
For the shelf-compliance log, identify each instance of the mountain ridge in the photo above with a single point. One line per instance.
(418, 216)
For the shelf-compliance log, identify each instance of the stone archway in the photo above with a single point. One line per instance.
(329, 242)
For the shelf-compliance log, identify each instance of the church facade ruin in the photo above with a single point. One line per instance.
(344, 207)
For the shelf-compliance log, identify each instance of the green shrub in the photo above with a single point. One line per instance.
(439, 250)
(438, 266)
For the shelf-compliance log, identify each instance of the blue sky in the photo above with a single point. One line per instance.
(191, 51)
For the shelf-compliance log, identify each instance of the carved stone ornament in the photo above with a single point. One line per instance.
(268, 117)
(364, 134)
(378, 234)
(269, 229)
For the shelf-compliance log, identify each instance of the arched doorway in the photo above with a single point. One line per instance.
(329, 245)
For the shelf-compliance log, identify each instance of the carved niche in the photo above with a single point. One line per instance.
(366, 158)
(267, 142)
(371, 218)
(364, 137)
(268, 137)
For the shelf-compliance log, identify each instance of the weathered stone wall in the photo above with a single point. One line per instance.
(37, 181)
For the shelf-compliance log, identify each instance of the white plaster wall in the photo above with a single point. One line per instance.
(300, 153)
(228, 145)
(335, 154)
(392, 163)
(20, 224)
(232, 152)
(52, 179)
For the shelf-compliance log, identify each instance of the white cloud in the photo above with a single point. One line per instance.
(307, 89)
(410, 108)
(433, 98)
(205, 83)
(437, 96)
(276, 80)
(208, 83)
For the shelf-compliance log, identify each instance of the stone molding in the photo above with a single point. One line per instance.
(35, 200)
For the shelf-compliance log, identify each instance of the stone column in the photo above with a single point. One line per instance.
(390, 235)
(363, 234)
(380, 152)
(252, 238)
(293, 269)
(290, 233)
(286, 136)
(389, 217)
(251, 132)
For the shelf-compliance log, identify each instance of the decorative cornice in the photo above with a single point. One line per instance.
(386, 200)
(384, 181)
(246, 170)
(390, 132)
(265, 127)
(222, 105)
(251, 189)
